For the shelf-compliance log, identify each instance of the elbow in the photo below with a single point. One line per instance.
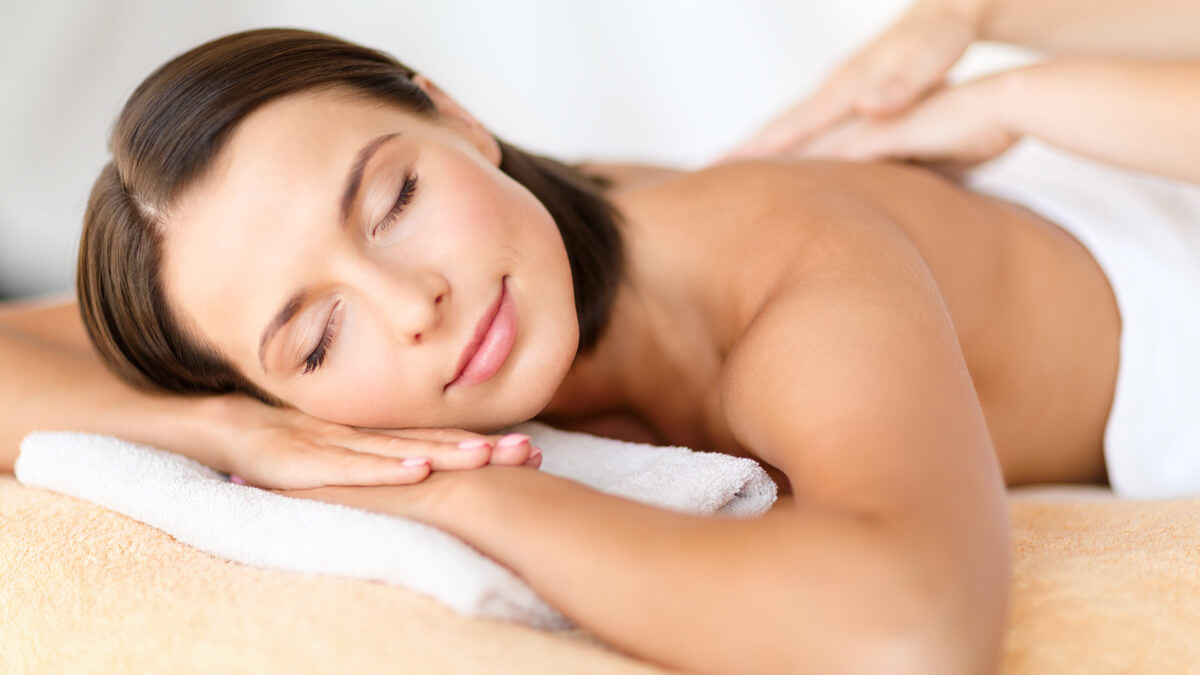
(916, 641)
(957, 628)
(935, 620)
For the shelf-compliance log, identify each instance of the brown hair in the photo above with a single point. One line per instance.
(165, 138)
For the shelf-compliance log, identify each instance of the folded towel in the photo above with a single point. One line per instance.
(200, 507)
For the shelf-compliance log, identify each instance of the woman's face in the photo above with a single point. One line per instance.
(397, 276)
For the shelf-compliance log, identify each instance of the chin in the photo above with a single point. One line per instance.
(539, 372)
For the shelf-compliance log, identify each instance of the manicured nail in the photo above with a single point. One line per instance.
(234, 478)
(474, 444)
(535, 453)
(513, 440)
(416, 461)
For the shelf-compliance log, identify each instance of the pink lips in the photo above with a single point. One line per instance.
(490, 344)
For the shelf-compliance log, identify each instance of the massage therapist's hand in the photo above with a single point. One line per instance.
(909, 59)
(288, 449)
(952, 129)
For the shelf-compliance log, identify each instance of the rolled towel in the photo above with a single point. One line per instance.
(202, 508)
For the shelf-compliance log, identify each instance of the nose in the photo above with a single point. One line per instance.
(411, 304)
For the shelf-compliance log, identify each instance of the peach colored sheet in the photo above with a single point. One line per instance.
(1101, 587)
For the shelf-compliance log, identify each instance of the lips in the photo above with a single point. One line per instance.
(490, 343)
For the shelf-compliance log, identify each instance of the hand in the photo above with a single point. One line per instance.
(896, 69)
(954, 127)
(288, 449)
(437, 500)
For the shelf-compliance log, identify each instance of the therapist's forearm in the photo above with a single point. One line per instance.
(1139, 115)
(52, 380)
(1143, 28)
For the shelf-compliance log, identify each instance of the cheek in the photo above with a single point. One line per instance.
(366, 384)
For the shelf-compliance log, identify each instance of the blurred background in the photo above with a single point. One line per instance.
(672, 82)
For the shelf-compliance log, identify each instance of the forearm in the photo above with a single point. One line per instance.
(792, 591)
(1143, 28)
(1139, 115)
(53, 380)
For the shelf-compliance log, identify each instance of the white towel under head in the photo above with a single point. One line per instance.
(200, 507)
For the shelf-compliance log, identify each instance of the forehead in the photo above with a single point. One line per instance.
(248, 222)
(311, 127)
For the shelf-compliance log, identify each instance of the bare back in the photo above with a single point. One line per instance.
(1034, 315)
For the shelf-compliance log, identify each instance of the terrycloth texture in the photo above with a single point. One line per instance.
(198, 506)
(1100, 588)
(1104, 586)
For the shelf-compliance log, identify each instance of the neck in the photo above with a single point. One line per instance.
(653, 362)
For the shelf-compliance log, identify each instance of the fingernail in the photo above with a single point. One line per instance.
(536, 452)
(416, 461)
(474, 444)
(513, 440)
(234, 478)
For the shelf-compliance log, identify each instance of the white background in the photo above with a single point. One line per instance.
(666, 81)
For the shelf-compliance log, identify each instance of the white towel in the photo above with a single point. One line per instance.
(200, 507)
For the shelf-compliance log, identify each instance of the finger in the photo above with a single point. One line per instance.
(832, 143)
(318, 466)
(898, 93)
(827, 107)
(893, 96)
(535, 458)
(509, 449)
(899, 88)
(512, 450)
(876, 143)
(445, 455)
(444, 435)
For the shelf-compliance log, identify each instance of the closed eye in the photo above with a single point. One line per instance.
(317, 357)
(406, 194)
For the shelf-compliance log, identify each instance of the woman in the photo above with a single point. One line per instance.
(332, 232)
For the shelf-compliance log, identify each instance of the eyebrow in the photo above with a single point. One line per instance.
(354, 180)
(290, 308)
(349, 194)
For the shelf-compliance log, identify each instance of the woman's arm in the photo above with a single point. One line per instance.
(53, 379)
(894, 556)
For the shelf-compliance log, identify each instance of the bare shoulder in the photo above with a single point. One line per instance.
(847, 373)
(747, 227)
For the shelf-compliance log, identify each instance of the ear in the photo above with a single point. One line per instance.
(470, 127)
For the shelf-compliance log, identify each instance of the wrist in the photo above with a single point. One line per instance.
(222, 422)
(1012, 97)
(480, 503)
(453, 496)
(193, 426)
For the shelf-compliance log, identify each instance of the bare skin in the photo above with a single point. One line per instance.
(743, 281)
(895, 348)
(1034, 314)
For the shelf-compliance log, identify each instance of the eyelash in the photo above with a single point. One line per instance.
(402, 200)
(317, 356)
